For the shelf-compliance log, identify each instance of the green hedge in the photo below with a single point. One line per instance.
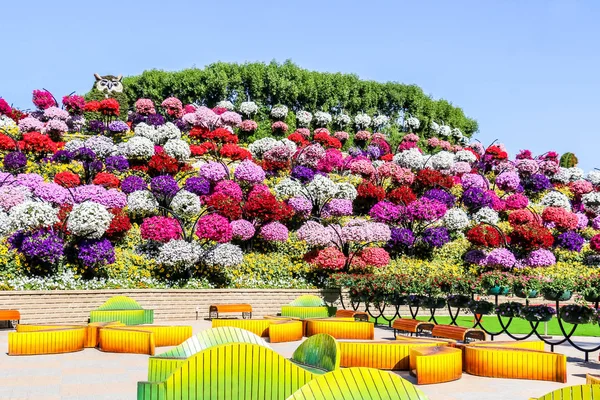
(300, 89)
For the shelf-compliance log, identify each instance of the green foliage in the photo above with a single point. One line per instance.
(299, 89)
(568, 160)
(307, 300)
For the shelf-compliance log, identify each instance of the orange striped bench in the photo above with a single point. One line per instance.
(435, 364)
(215, 309)
(411, 326)
(457, 333)
(12, 316)
(357, 315)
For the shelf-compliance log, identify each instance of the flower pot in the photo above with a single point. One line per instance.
(577, 314)
(436, 302)
(592, 297)
(553, 295)
(458, 300)
(498, 290)
(526, 295)
(397, 300)
(416, 300)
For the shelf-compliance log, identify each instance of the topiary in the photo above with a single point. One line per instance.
(568, 160)
(98, 95)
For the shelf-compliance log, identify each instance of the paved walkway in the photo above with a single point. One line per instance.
(93, 375)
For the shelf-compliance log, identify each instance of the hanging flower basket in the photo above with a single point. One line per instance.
(541, 313)
(482, 307)
(434, 302)
(555, 295)
(531, 294)
(576, 314)
(592, 297)
(498, 290)
(458, 300)
(511, 309)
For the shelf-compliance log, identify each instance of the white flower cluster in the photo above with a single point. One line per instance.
(322, 118)
(342, 120)
(591, 202)
(412, 123)
(466, 156)
(435, 127)
(142, 203)
(9, 127)
(456, 219)
(73, 145)
(444, 160)
(444, 130)
(594, 177)
(486, 215)
(32, 215)
(279, 112)
(137, 148)
(320, 190)
(381, 121)
(226, 104)
(179, 254)
(248, 108)
(362, 121)
(346, 190)
(287, 188)
(186, 204)
(261, 146)
(224, 255)
(556, 199)
(303, 118)
(5, 226)
(411, 158)
(457, 133)
(178, 149)
(89, 220)
(158, 135)
(566, 175)
(103, 146)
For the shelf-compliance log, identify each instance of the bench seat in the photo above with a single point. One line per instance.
(411, 326)
(458, 333)
(215, 309)
(435, 364)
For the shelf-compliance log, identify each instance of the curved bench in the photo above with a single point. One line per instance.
(435, 364)
(358, 383)
(579, 392)
(592, 379)
(340, 328)
(245, 371)
(12, 316)
(458, 333)
(514, 362)
(141, 339)
(47, 340)
(411, 326)
(384, 354)
(307, 306)
(286, 331)
(319, 354)
(357, 315)
(276, 329)
(123, 309)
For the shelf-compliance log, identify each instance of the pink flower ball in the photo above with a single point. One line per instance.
(229, 188)
(160, 229)
(375, 256)
(274, 231)
(214, 227)
(242, 229)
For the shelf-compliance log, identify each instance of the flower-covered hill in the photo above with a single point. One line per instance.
(178, 195)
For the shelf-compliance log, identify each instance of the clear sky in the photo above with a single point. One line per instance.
(528, 71)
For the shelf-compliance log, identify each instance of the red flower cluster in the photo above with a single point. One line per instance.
(6, 142)
(161, 164)
(374, 256)
(523, 217)
(109, 107)
(235, 152)
(330, 258)
(219, 135)
(496, 153)
(298, 139)
(107, 180)
(595, 243)
(402, 195)
(225, 205)
(37, 143)
(5, 109)
(201, 149)
(74, 103)
(561, 218)
(275, 165)
(485, 235)
(531, 237)
(119, 225)
(263, 206)
(428, 178)
(367, 190)
(92, 106)
(327, 141)
(67, 179)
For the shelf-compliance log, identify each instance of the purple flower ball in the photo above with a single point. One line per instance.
(401, 237)
(62, 156)
(436, 236)
(540, 258)
(502, 258)
(440, 195)
(96, 126)
(537, 183)
(164, 186)
(84, 154)
(96, 252)
(475, 197)
(39, 246)
(197, 185)
(303, 174)
(132, 184)
(570, 240)
(385, 212)
(118, 127)
(155, 119)
(337, 208)
(476, 257)
(117, 163)
(15, 161)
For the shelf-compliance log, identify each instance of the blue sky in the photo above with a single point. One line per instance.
(526, 70)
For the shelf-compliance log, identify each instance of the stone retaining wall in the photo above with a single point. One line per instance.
(74, 306)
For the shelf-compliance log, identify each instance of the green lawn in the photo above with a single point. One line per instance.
(517, 326)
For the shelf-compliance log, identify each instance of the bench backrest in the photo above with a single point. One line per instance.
(320, 351)
(579, 392)
(119, 303)
(363, 383)
(214, 337)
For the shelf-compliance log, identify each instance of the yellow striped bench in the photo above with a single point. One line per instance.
(592, 379)
(276, 329)
(46, 341)
(142, 339)
(285, 331)
(435, 364)
(579, 392)
(514, 362)
(385, 354)
(341, 328)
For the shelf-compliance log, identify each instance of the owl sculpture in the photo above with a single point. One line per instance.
(109, 84)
